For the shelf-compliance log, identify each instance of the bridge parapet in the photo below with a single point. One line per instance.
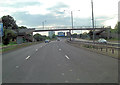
(75, 27)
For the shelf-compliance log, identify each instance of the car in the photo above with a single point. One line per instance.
(47, 41)
(102, 40)
(58, 39)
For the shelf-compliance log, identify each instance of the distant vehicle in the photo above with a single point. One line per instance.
(102, 40)
(58, 39)
(47, 41)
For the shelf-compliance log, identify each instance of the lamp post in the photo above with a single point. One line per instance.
(43, 23)
(71, 22)
(93, 22)
(1, 30)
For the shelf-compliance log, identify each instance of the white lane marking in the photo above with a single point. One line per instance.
(63, 74)
(28, 57)
(36, 49)
(17, 66)
(78, 79)
(58, 64)
(67, 57)
(70, 70)
(66, 81)
(41, 46)
(59, 49)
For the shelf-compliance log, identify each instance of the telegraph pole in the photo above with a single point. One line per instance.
(43, 24)
(93, 22)
(72, 24)
(72, 20)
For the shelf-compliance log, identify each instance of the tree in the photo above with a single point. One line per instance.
(38, 37)
(9, 22)
(53, 36)
(116, 28)
(90, 34)
(74, 35)
(8, 35)
(9, 27)
(22, 27)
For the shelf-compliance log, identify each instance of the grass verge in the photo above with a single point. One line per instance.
(15, 47)
(103, 52)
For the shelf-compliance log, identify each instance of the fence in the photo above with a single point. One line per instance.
(113, 50)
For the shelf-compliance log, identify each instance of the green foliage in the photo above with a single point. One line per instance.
(8, 35)
(9, 25)
(22, 27)
(39, 37)
(74, 35)
(90, 34)
(116, 29)
(53, 36)
(9, 22)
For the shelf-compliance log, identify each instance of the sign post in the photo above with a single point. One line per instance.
(1, 31)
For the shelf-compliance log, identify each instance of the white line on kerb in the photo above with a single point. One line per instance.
(67, 57)
(28, 57)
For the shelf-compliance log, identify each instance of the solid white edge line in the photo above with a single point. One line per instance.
(28, 57)
(67, 57)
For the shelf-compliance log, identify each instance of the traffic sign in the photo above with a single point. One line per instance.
(1, 29)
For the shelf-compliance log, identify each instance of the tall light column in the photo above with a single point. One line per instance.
(72, 20)
(93, 22)
(43, 23)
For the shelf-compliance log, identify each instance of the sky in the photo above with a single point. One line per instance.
(31, 13)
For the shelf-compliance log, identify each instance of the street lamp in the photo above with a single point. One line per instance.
(93, 22)
(71, 22)
(43, 23)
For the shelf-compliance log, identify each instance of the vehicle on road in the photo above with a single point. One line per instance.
(102, 40)
(58, 39)
(47, 41)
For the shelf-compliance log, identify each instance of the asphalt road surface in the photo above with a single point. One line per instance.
(58, 62)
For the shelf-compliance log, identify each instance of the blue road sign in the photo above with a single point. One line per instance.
(1, 29)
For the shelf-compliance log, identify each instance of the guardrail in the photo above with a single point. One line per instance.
(108, 43)
(99, 47)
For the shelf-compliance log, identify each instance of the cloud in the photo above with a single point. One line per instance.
(36, 20)
(20, 4)
(58, 8)
(33, 12)
(26, 19)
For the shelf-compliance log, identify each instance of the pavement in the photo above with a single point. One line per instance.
(57, 62)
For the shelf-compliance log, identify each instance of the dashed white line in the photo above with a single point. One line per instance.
(17, 66)
(66, 81)
(78, 79)
(27, 57)
(63, 74)
(67, 57)
(36, 49)
(70, 70)
(59, 49)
